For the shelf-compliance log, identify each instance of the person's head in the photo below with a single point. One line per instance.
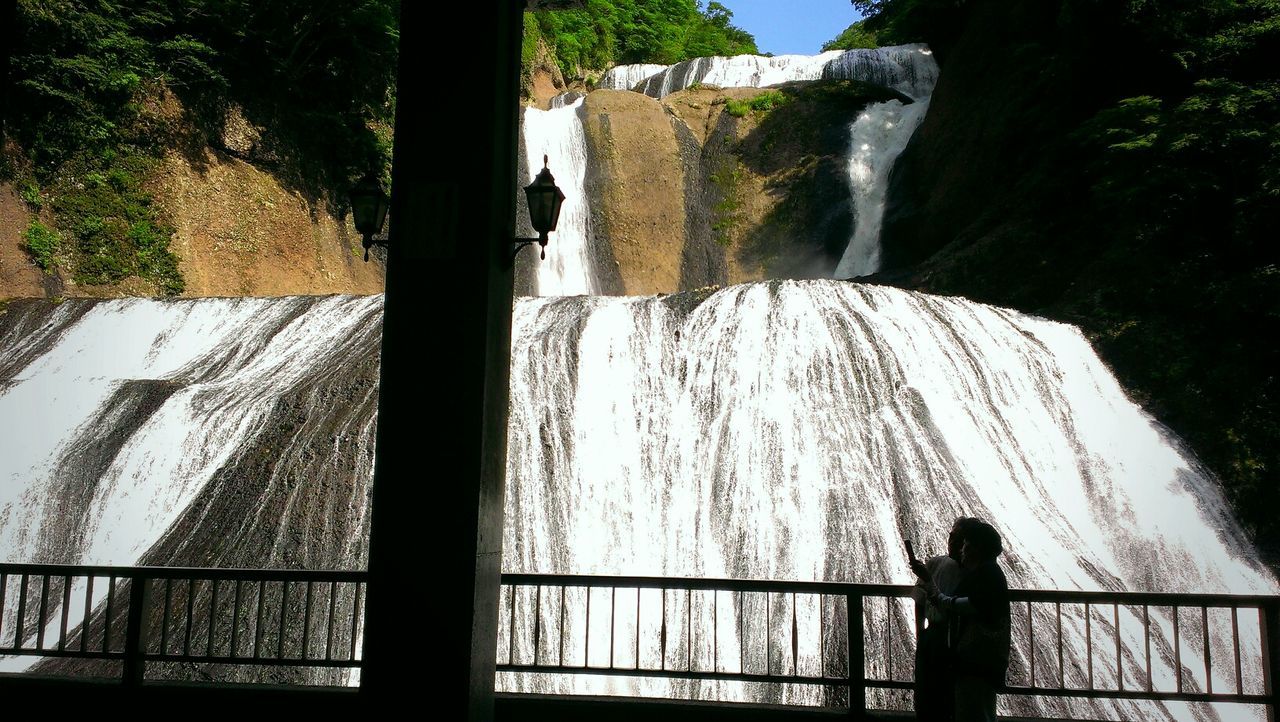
(958, 530)
(981, 544)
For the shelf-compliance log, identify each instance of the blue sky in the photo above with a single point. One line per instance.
(785, 27)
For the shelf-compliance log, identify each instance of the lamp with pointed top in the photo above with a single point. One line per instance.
(545, 199)
(369, 205)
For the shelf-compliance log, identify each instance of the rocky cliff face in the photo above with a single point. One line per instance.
(700, 188)
(994, 200)
(241, 227)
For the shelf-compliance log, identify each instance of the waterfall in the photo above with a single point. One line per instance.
(803, 430)
(558, 135)
(781, 430)
(134, 431)
(740, 71)
(626, 77)
(877, 137)
(908, 69)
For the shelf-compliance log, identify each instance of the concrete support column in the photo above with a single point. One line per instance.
(436, 538)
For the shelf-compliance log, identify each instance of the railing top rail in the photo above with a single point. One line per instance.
(733, 585)
(221, 573)
(887, 590)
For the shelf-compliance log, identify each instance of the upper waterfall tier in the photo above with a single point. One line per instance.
(799, 429)
(625, 77)
(909, 69)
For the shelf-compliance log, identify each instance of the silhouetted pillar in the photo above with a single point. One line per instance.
(436, 539)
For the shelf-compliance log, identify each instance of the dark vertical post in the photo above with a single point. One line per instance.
(857, 658)
(1269, 619)
(439, 472)
(135, 637)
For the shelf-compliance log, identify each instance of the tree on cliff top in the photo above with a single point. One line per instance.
(610, 32)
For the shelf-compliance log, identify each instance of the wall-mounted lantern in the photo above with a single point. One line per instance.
(544, 199)
(369, 205)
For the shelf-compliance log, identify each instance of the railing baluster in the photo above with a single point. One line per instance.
(191, 613)
(44, 607)
(1235, 646)
(562, 588)
(1088, 642)
(257, 619)
(888, 639)
(537, 621)
(164, 619)
(333, 611)
(768, 635)
(822, 640)
(284, 615)
(1031, 645)
(66, 612)
(857, 663)
(356, 616)
(1208, 673)
(689, 627)
(18, 630)
(1146, 639)
(637, 629)
(663, 661)
(306, 621)
(613, 609)
(1177, 650)
(88, 609)
(715, 631)
(795, 640)
(1115, 621)
(511, 632)
(213, 617)
(586, 641)
(1062, 674)
(235, 619)
(106, 626)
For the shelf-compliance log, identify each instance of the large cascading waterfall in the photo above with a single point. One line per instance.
(877, 137)
(558, 135)
(739, 71)
(626, 77)
(803, 430)
(780, 430)
(139, 432)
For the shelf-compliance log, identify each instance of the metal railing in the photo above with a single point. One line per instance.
(1102, 645)
(133, 616)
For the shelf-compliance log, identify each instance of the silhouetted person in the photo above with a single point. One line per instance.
(978, 614)
(935, 690)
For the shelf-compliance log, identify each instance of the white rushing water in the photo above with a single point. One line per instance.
(558, 135)
(625, 77)
(803, 430)
(877, 137)
(125, 411)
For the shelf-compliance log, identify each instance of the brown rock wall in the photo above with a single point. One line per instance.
(638, 184)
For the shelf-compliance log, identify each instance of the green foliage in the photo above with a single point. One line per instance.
(857, 35)
(760, 104)
(318, 76)
(113, 227)
(608, 32)
(42, 243)
(30, 194)
(726, 213)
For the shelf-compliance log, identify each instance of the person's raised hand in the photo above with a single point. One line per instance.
(920, 570)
